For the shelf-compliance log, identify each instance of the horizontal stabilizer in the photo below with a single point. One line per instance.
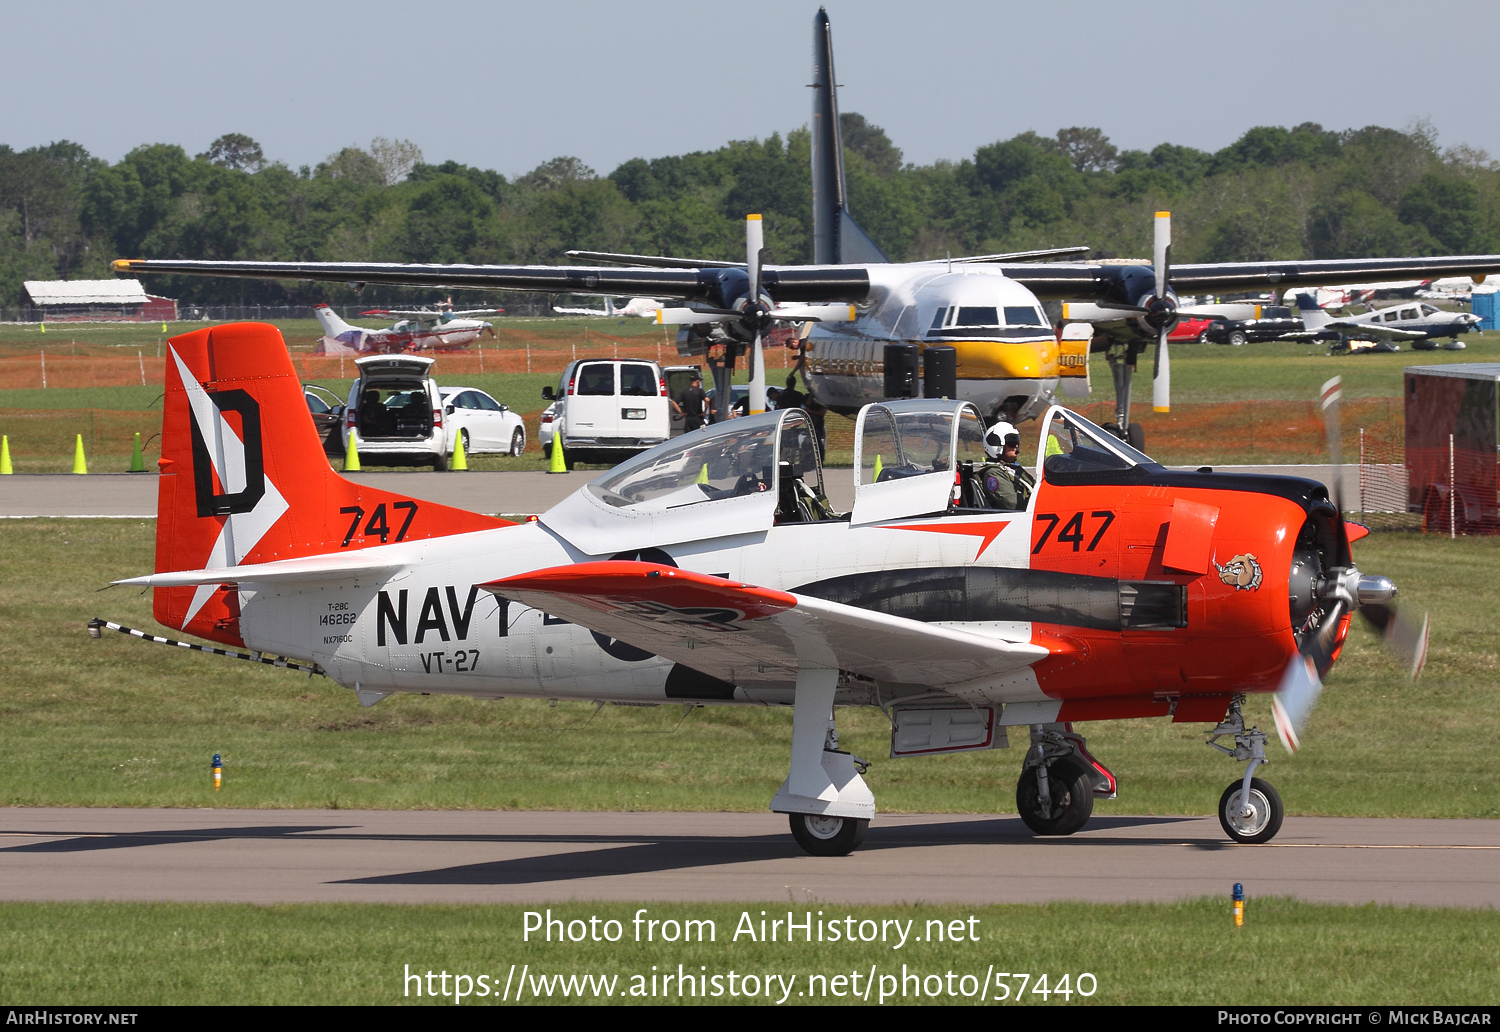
(308, 568)
(742, 633)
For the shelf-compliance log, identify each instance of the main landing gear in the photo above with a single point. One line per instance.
(1055, 793)
(1250, 810)
(828, 803)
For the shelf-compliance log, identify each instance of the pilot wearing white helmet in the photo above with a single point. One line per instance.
(1001, 483)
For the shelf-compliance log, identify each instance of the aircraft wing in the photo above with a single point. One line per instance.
(787, 284)
(339, 566)
(1349, 328)
(1058, 281)
(739, 632)
(1062, 281)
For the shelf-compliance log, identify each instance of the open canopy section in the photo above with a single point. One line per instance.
(741, 476)
(907, 454)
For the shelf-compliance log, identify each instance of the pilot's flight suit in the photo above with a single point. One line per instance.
(1001, 485)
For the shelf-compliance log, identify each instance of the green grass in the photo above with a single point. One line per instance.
(119, 722)
(130, 954)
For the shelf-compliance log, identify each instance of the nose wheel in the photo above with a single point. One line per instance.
(1252, 819)
(1250, 810)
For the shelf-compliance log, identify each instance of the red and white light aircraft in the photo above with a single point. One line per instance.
(711, 570)
(421, 330)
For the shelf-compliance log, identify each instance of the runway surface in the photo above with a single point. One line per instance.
(266, 856)
(513, 493)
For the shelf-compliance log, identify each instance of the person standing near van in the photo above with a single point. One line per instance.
(689, 405)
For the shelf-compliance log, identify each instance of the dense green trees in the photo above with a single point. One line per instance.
(1273, 193)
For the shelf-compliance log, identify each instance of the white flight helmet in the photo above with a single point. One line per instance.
(998, 436)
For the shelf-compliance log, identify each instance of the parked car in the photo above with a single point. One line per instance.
(395, 412)
(1192, 328)
(607, 410)
(327, 415)
(481, 422)
(1273, 322)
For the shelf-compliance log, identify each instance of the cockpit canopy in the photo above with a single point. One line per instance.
(724, 479)
(906, 454)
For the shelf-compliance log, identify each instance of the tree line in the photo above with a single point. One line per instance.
(1275, 193)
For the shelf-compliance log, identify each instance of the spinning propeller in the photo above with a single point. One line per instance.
(1340, 590)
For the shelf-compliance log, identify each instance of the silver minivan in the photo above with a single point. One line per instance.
(606, 410)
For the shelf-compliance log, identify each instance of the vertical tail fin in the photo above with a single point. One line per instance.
(244, 478)
(837, 238)
(1312, 315)
(339, 338)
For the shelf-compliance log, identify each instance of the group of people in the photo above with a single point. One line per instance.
(692, 405)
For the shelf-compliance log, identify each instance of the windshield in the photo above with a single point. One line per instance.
(904, 444)
(1074, 445)
(698, 468)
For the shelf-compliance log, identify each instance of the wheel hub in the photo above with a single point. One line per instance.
(823, 827)
(1248, 817)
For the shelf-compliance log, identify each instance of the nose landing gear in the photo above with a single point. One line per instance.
(1250, 810)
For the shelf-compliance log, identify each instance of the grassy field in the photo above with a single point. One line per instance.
(1184, 953)
(120, 722)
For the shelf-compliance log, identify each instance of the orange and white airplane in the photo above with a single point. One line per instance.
(711, 570)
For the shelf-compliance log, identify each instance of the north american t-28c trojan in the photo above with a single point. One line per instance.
(713, 570)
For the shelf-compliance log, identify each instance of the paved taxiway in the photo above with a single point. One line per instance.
(264, 856)
(124, 494)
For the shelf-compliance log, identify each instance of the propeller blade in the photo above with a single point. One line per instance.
(815, 313)
(1407, 643)
(757, 403)
(689, 316)
(754, 242)
(1163, 250)
(1294, 700)
(1330, 396)
(1161, 375)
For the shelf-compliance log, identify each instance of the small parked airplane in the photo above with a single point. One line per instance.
(421, 330)
(1414, 321)
(643, 306)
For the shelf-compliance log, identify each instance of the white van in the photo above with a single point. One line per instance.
(606, 410)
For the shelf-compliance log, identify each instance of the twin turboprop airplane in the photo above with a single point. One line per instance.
(988, 308)
(712, 570)
(422, 330)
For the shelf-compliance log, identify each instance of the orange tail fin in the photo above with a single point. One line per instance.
(244, 478)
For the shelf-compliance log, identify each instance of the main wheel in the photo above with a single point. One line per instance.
(1136, 437)
(828, 836)
(518, 442)
(1071, 798)
(1265, 816)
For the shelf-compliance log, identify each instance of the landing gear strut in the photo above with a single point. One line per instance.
(1121, 357)
(1250, 810)
(827, 801)
(1055, 793)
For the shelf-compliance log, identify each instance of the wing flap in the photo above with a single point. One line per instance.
(740, 632)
